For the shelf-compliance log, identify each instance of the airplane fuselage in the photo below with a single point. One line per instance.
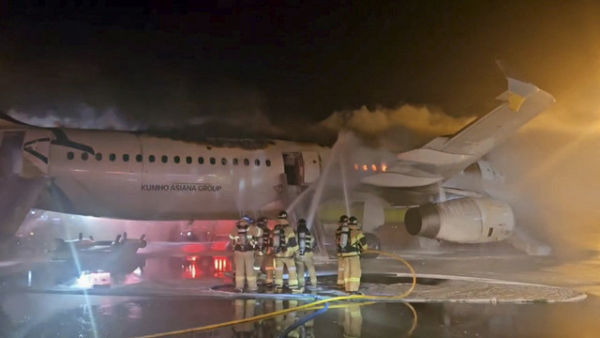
(137, 176)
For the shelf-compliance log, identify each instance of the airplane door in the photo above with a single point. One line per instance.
(312, 166)
(10, 152)
(301, 167)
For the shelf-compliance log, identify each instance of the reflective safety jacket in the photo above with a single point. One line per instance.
(264, 243)
(245, 238)
(305, 241)
(283, 240)
(356, 243)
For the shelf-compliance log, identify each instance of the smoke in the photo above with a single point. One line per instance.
(553, 182)
(396, 129)
(87, 117)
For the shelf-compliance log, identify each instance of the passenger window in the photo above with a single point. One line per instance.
(84, 156)
(125, 157)
(213, 161)
(139, 157)
(235, 161)
(257, 162)
(246, 161)
(112, 157)
(177, 159)
(151, 158)
(200, 160)
(98, 156)
(268, 163)
(164, 159)
(70, 155)
(188, 160)
(224, 161)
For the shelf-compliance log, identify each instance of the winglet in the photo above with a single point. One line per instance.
(517, 93)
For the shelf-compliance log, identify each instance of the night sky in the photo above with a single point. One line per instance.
(285, 63)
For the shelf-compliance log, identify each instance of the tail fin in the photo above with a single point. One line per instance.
(523, 102)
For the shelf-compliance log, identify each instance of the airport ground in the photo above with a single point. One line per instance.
(457, 295)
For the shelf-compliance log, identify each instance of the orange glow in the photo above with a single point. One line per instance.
(383, 167)
(364, 167)
(373, 167)
(356, 166)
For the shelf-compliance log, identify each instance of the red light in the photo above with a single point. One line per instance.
(191, 258)
(373, 167)
(383, 167)
(364, 167)
(221, 264)
(219, 246)
(356, 166)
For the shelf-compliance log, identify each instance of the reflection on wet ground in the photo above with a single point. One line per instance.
(31, 306)
(45, 315)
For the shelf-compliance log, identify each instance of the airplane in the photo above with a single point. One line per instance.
(143, 176)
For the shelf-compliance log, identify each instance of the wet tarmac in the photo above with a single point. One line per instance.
(154, 294)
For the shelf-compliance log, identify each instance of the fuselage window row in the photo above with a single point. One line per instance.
(164, 159)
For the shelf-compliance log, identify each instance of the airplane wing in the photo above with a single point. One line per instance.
(445, 157)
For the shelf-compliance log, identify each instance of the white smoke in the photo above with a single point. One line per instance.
(88, 118)
(396, 128)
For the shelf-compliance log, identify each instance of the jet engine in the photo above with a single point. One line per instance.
(463, 220)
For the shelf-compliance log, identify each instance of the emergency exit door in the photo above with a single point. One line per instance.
(301, 167)
(11, 144)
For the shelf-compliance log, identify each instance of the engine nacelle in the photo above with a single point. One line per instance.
(463, 220)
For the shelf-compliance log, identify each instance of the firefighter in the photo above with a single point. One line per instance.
(343, 223)
(244, 237)
(352, 244)
(284, 246)
(242, 309)
(304, 256)
(264, 255)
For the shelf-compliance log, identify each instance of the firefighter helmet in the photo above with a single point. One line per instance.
(248, 219)
(353, 220)
(282, 215)
(343, 219)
